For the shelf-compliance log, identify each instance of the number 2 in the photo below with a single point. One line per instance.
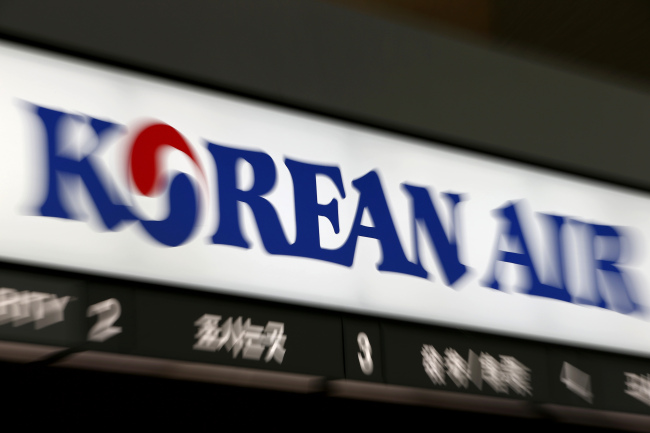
(108, 311)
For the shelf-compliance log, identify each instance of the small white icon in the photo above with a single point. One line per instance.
(238, 336)
(502, 376)
(577, 381)
(638, 386)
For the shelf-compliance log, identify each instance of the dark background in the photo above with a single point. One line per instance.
(558, 83)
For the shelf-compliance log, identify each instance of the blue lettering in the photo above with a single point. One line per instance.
(229, 230)
(183, 210)
(514, 235)
(110, 212)
(446, 248)
(372, 199)
(604, 263)
(308, 209)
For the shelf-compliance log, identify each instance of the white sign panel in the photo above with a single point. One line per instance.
(114, 173)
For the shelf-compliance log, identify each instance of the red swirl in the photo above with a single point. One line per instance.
(143, 161)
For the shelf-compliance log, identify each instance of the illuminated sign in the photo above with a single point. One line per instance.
(113, 173)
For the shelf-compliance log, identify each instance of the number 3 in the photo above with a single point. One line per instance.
(365, 359)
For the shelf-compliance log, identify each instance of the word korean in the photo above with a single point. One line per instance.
(599, 249)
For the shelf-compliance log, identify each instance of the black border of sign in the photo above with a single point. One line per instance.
(476, 148)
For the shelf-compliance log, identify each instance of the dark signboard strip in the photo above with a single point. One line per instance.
(83, 322)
